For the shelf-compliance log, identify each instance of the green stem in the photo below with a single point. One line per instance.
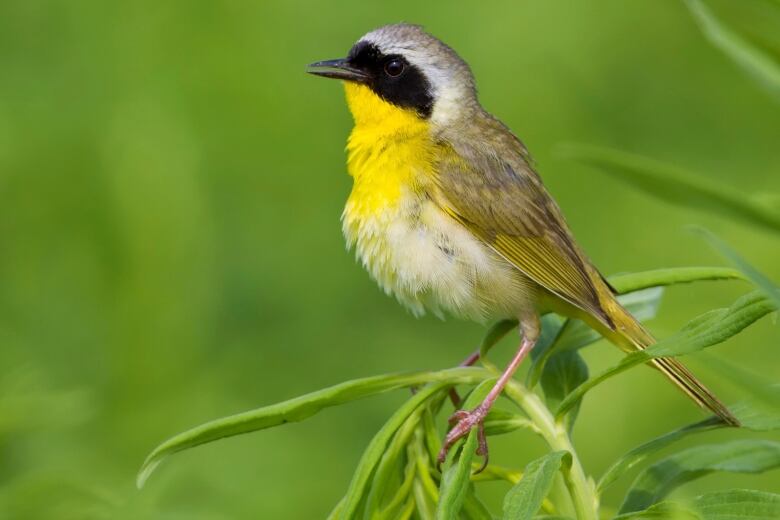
(581, 489)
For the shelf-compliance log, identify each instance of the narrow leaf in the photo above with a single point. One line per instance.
(574, 334)
(754, 60)
(640, 453)
(525, 499)
(563, 373)
(642, 304)
(358, 487)
(761, 411)
(636, 290)
(735, 504)
(630, 282)
(474, 508)
(656, 482)
(747, 504)
(702, 332)
(552, 327)
(495, 334)
(758, 416)
(455, 480)
(396, 504)
(301, 408)
(388, 465)
(457, 469)
(750, 272)
(500, 421)
(677, 186)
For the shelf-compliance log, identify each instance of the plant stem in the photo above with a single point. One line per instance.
(582, 492)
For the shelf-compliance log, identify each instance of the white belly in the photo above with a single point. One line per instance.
(429, 261)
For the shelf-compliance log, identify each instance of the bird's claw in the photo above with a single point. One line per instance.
(461, 423)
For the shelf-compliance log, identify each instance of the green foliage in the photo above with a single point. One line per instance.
(305, 406)
(677, 186)
(704, 331)
(660, 479)
(455, 477)
(525, 498)
(455, 480)
(751, 273)
(170, 185)
(760, 64)
(640, 293)
(564, 372)
(640, 453)
(397, 476)
(725, 505)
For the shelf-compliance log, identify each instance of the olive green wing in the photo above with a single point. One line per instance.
(503, 202)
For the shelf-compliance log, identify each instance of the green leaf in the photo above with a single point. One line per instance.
(640, 453)
(494, 335)
(389, 464)
(677, 186)
(493, 472)
(500, 421)
(455, 480)
(552, 327)
(663, 511)
(473, 508)
(709, 329)
(750, 272)
(526, 497)
(422, 501)
(301, 408)
(744, 456)
(398, 501)
(745, 504)
(714, 327)
(642, 304)
(735, 504)
(563, 373)
(759, 412)
(754, 60)
(570, 335)
(630, 282)
(358, 487)
(426, 490)
(758, 416)
(639, 293)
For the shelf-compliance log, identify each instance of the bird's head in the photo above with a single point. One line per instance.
(401, 66)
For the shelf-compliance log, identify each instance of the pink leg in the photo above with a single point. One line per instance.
(466, 420)
(473, 358)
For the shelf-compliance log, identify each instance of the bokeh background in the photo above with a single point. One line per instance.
(171, 183)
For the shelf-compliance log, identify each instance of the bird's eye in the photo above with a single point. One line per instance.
(394, 68)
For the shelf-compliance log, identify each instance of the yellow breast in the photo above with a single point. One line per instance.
(389, 151)
(388, 157)
(412, 248)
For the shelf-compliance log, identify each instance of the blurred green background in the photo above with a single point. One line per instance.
(171, 183)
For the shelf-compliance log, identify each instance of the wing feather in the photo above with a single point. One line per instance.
(496, 194)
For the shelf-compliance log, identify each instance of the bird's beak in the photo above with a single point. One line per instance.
(337, 69)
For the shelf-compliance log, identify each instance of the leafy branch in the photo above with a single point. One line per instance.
(397, 476)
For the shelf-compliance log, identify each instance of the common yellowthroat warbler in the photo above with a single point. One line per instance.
(448, 214)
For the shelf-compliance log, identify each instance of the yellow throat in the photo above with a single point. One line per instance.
(389, 151)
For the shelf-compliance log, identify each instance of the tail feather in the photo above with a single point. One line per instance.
(630, 335)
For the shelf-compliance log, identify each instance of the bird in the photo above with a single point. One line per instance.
(448, 214)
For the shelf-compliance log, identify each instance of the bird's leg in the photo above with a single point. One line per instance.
(469, 361)
(466, 420)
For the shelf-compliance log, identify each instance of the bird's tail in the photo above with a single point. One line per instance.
(630, 335)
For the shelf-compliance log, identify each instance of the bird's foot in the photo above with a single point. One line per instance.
(463, 422)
